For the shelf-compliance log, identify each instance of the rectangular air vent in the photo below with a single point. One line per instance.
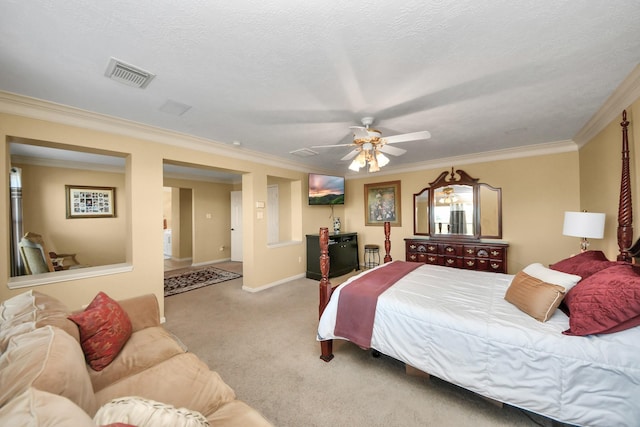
(128, 74)
(303, 152)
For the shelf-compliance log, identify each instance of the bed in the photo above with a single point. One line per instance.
(457, 325)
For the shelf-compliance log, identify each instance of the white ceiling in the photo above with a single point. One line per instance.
(280, 75)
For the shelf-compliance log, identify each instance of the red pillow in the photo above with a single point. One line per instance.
(104, 329)
(606, 302)
(584, 264)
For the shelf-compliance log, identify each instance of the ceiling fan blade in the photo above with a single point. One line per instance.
(359, 132)
(351, 155)
(414, 136)
(394, 151)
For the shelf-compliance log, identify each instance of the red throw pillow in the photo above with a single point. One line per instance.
(104, 329)
(606, 302)
(584, 264)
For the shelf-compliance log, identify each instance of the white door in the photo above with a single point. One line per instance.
(273, 215)
(236, 226)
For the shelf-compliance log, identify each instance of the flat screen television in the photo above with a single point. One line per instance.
(326, 190)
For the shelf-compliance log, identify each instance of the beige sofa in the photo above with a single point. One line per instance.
(46, 380)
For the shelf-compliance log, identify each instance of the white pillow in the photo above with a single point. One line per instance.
(147, 413)
(16, 305)
(42, 409)
(539, 271)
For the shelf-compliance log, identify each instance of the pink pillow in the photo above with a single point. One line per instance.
(606, 302)
(584, 264)
(104, 330)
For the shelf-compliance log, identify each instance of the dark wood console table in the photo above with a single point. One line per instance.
(343, 254)
(472, 255)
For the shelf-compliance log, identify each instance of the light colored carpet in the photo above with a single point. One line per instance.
(264, 346)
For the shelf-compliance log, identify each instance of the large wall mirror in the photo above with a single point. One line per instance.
(456, 205)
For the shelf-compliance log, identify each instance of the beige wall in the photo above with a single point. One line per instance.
(166, 207)
(96, 241)
(208, 205)
(536, 192)
(142, 210)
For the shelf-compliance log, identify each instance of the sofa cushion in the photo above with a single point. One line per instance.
(182, 381)
(147, 413)
(104, 330)
(50, 360)
(237, 414)
(37, 408)
(31, 310)
(135, 356)
(143, 311)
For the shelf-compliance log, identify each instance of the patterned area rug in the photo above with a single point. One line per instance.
(178, 283)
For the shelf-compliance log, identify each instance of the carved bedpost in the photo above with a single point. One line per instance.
(387, 242)
(625, 210)
(326, 347)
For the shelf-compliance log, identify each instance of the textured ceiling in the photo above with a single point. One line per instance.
(281, 75)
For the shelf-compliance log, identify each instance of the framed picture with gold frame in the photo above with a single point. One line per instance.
(382, 203)
(90, 202)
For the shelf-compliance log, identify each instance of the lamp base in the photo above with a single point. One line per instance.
(584, 245)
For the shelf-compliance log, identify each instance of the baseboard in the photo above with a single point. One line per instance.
(272, 284)
(217, 261)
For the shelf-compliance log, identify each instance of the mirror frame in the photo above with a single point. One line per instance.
(445, 179)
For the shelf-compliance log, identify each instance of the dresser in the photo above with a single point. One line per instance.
(472, 255)
(343, 254)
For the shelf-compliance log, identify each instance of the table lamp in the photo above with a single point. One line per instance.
(585, 225)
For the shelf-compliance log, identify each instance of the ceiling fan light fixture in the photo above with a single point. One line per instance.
(382, 159)
(369, 146)
(354, 166)
(374, 133)
(373, 164)
(359, 162)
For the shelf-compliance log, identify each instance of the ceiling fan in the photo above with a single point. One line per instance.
(370, 145)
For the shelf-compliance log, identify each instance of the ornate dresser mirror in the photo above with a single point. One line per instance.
(457, 206)
(455, 214)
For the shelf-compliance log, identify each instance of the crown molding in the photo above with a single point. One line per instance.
(43, 110)
(67, 164)
(11, 103)
(625, 94)
(488, 156)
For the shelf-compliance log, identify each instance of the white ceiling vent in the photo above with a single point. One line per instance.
(128, 74)
(303, 152)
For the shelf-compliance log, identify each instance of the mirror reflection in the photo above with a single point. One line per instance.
(421, 212)
(453, 210)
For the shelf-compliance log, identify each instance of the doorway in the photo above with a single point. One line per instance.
(178, 227)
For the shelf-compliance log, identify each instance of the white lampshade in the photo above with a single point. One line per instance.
(355, 166)
(359, 162)
(584, 224)
(382, 159)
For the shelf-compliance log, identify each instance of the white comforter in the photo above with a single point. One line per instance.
(456, 325)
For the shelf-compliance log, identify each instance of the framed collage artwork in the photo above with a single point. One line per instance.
(90, 202)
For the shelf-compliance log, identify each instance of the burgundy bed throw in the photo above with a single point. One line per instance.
(358, 300)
